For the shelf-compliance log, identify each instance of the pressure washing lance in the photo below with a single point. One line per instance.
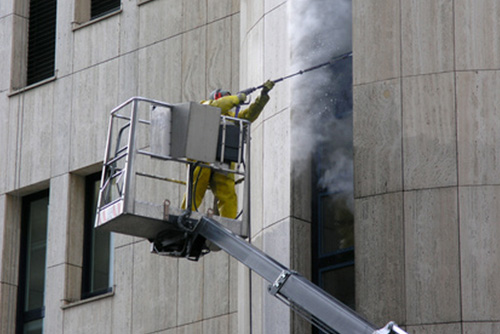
(332, 61)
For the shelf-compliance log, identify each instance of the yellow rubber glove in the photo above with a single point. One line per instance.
(242, 97)
(267, 87)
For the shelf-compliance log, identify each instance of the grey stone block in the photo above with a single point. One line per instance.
(427, 36)
(379, 258)
(377, 138)
(480, 264)
(376, 42)
(432, 260)
(429, 136)
(477, 105)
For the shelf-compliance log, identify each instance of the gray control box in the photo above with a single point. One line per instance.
(187, 130)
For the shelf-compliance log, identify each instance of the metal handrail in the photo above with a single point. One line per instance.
(126, 153)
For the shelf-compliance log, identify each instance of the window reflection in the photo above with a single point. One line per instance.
(339, 282)
(336, 222)
(97, 262)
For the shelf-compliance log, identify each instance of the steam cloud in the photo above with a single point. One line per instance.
(322, 102)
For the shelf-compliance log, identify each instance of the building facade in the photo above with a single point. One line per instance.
(425, 80)
(417, 120)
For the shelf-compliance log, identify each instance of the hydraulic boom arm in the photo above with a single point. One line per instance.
(297, 292)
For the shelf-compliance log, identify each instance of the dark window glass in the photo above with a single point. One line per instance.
(103, 7)
(41, 40)
(333, 245)
(97, 246)
(336, 222)
(32, 263)
(333, 199)
(339, 282)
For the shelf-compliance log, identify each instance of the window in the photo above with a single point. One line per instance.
(333, 194)
(31, 293)
(98, 250)
(41, 40)
(102, 7)
(88, 10)
(335, 245)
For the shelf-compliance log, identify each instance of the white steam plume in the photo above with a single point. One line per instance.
(319, 30)
(322, 103)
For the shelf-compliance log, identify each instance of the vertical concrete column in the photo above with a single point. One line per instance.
(430, 170)
(64, 247)
(9, 142)
(67, 11)
(378, 178)
(278, 217)
(10, 220)
(19, 44)
(477, 82)
(6, 26)
(251, 42)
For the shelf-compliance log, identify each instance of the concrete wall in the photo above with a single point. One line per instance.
(426, 77)
(52, 135)
(280, 216)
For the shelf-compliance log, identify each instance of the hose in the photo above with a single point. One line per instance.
(330, 62)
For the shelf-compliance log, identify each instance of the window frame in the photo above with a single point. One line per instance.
(26, 317)
(103, 12)
(37, 46)
(87, 291)
(323, 262)
(83, 16)
(19, 61)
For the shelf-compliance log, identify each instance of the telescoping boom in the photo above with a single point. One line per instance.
(304, 297)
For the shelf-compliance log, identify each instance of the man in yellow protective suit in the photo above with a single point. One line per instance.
(222, 184)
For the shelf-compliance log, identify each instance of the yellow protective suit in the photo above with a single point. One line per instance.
(221, 184)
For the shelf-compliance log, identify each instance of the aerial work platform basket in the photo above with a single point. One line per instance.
(150, 146)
